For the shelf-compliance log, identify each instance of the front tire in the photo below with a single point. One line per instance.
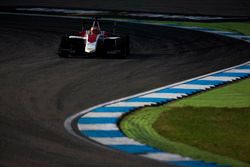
(64, 44)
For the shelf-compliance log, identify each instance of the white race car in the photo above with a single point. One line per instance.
(94, 42)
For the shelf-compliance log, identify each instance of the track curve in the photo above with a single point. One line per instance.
(38, 90)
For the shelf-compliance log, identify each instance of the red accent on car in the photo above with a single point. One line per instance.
(106, 34)
(92, 38)
(82, 33)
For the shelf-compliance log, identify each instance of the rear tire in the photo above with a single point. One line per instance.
(101, 50)
(125, 49)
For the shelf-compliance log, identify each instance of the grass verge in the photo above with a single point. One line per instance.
(212, 126)
(240, 27)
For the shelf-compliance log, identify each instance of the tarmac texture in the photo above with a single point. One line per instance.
(39, 90)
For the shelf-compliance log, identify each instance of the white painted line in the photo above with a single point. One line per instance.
(67, 11)
(238, 71)
(239, 36)
(115, 141)
(185, 27)
(103, 114)
(213, 78)
(97, 127)
(227, 34)
(193, 86)
(218, 32)
(166, 157)
(131, 104)
(165, 95)
(222, 32)
(43, 15)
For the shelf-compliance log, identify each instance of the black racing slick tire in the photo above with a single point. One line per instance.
(125, 47)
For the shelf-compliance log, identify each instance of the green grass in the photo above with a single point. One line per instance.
(233, 96)
(240, 27)
(212, 126)
(219, 130)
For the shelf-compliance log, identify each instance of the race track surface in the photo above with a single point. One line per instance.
(193, 7)
(39, 90)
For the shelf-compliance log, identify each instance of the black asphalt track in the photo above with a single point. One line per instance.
(193, 7)
(39, 90)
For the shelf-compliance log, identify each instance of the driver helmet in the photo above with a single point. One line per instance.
(94, 30)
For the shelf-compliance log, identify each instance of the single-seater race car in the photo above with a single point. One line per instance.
(94, 42)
